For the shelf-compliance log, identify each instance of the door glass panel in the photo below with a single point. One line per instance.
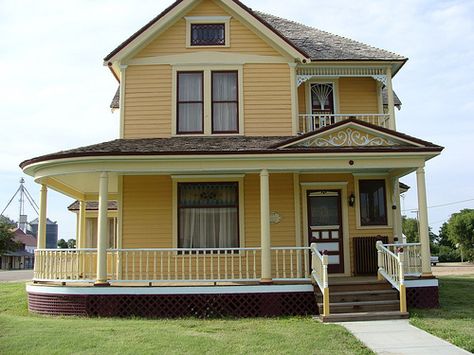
(328, 246)
(325, 235)
(324, 210)
(333, 259)
(315, 235)
(335, 235)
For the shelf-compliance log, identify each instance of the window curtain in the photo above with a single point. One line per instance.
(208, 216)
(225, 102)
(190, 105)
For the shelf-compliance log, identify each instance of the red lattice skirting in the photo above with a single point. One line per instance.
(172, 306)
(423, 297)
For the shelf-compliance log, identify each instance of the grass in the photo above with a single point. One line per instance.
(21, 332)
(454, 321)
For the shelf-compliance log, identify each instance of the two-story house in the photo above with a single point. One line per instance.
(256, 157)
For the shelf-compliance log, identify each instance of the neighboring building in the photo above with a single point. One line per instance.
(256, 156)
(23, 257)
(51, 232)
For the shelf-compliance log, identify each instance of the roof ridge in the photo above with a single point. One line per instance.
(258, 12)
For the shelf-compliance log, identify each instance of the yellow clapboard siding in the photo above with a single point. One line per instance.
(358, 95)
(173, 40)
(147, 217)
(267, 99)
(148, 102)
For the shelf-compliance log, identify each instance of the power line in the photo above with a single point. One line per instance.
(442, 205)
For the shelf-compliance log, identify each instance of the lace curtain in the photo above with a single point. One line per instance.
(190, 102)
(225, 102)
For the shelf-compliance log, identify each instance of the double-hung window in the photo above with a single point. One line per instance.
(225, 103)
(373, 211)
(207, 102)
(208, 215)
(190, 102)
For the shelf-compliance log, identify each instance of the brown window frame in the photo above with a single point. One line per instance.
(205, 44)
(236, 101)
(384, 222)
(237, 205)
(190, 102)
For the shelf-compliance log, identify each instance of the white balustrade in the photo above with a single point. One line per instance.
(319, 273)
(411, 257)
(312, 122)
(290, 263)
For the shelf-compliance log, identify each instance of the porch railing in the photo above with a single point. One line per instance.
(319, 273)
(390, 267)
(290, 263)
(411, 257)
(313, 122)
(170, 265)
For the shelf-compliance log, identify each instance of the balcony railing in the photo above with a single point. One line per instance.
(411, 257)
(171, 265)
(313, 122)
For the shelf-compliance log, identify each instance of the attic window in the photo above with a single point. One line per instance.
(208, 34)
(207, 31)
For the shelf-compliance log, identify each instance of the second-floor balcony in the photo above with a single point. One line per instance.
(313, 122)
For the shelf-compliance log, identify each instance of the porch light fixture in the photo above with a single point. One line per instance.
(352, 200)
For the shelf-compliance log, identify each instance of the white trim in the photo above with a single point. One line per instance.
(342, 186)
(225, 20)
(192, 178)
(421, 283)
(165, 290)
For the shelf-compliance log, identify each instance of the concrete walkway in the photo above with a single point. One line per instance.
(399, 337)
(16, 275)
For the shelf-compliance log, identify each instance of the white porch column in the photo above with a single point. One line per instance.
(102, 230)
(397, 212)
(390, 101)
(41, 234)
(423, 221)
(81, 230)
(266, 276)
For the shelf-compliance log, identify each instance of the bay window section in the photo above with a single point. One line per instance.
(190, 102)
(225, 103)
(208, 215)
(373, 203)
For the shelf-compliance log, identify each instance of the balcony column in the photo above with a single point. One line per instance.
(41, 233)
(391, 100)
(101, 279)
(266, 260)
(423, 222)
(81, 226)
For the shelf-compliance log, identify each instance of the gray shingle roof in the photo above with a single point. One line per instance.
(92, 206)
(321, 45)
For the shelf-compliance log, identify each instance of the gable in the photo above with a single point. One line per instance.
(352, 133)
(173, 40)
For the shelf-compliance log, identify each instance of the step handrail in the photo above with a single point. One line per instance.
(390, 267)
(319, 273)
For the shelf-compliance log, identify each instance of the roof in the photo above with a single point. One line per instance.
(92, 206)
(186, 146)
(115, 104)
(314, 43)
(18, 253)
(23, 238)
(322, 45)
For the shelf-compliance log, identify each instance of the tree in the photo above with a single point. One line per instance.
(8, 221)
(410, 229)
(7, 243)
(71, 243)
(461, 231)
(62, 244)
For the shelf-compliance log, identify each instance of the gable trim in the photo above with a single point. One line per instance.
(167, 17)
(365, 126)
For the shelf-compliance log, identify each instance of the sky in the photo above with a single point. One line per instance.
(55, 92)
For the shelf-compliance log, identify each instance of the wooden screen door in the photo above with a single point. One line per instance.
(325, 226)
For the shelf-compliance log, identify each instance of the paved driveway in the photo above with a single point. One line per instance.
(446, 269)
(16, 275)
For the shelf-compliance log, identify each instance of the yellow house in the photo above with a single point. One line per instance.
(256, 173)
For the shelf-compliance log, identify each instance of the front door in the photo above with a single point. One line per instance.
(325, 226)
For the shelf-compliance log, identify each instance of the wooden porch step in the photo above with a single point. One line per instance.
(359, 286)
(364, 306)
(359, 296)
(363, 316)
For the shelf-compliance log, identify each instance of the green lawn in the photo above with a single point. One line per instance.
(21, 332)
(454, 321)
